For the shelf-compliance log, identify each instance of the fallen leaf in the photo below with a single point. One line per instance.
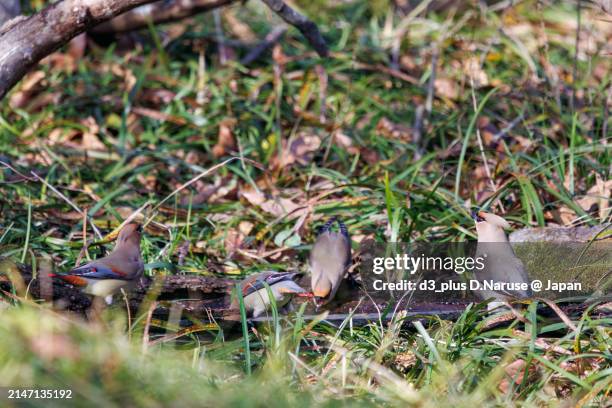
(158, 115)
(474, 71)
(301, 150)
(277, 206)
(515, 375)
(225, 142)
(597, 197)
(29, 86)
(389, 129)
(77, 46)
(447, 88)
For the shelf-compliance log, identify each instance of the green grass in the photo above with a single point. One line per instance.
(383, 186)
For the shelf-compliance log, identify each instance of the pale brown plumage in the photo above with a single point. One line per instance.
(329, 259)
(502, 264)
(122, 268)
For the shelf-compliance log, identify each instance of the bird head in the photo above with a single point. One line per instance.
(492, 219)
(490, 227)
(130, 234)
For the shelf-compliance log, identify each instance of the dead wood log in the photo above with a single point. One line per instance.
(582, 234)
(191, 300)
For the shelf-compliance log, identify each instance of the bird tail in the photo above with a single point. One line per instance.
(343, 229)
(327, 226)
(330, 223)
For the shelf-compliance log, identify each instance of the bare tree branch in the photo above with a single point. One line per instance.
(306, 27)
(28, 41)
(272, 38)
(157, 13)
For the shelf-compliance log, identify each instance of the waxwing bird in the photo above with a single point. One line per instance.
(122, 268)
(330, 258)
(255, 292)
(501, 263)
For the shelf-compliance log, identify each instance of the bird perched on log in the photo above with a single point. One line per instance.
(501, 263)
(330, 258)
(122, 268)
(255, 292)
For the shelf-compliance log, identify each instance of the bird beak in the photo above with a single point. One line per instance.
(477, 216)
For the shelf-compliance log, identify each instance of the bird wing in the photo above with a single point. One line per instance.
(98, 270)
(257, 282)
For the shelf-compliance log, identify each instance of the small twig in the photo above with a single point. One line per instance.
(432, 80)
(303, 24)
(606, 116)
(271, 38)
(422, 114)
(8, 166)
(576, 49)
(560, 313)
(389, 71)
(201, 92)
(145, 335)
(481, 146)
(129, 314)
(220, 37)
(509, 127)
(323, 81)
(67, 200)
(84, 232)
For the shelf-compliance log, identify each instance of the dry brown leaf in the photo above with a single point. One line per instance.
(446, 88)
(225, 142)
(156, 96)
(598, 197)
(77, 46)
(277, 207)
(29, 86)
(474, 71)
(369, 155)
(158, 115)
(90, 140)
(87, 139)
(487, 131)
(234, 238)
(301, 150)
(515, 373)
(390, 129)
